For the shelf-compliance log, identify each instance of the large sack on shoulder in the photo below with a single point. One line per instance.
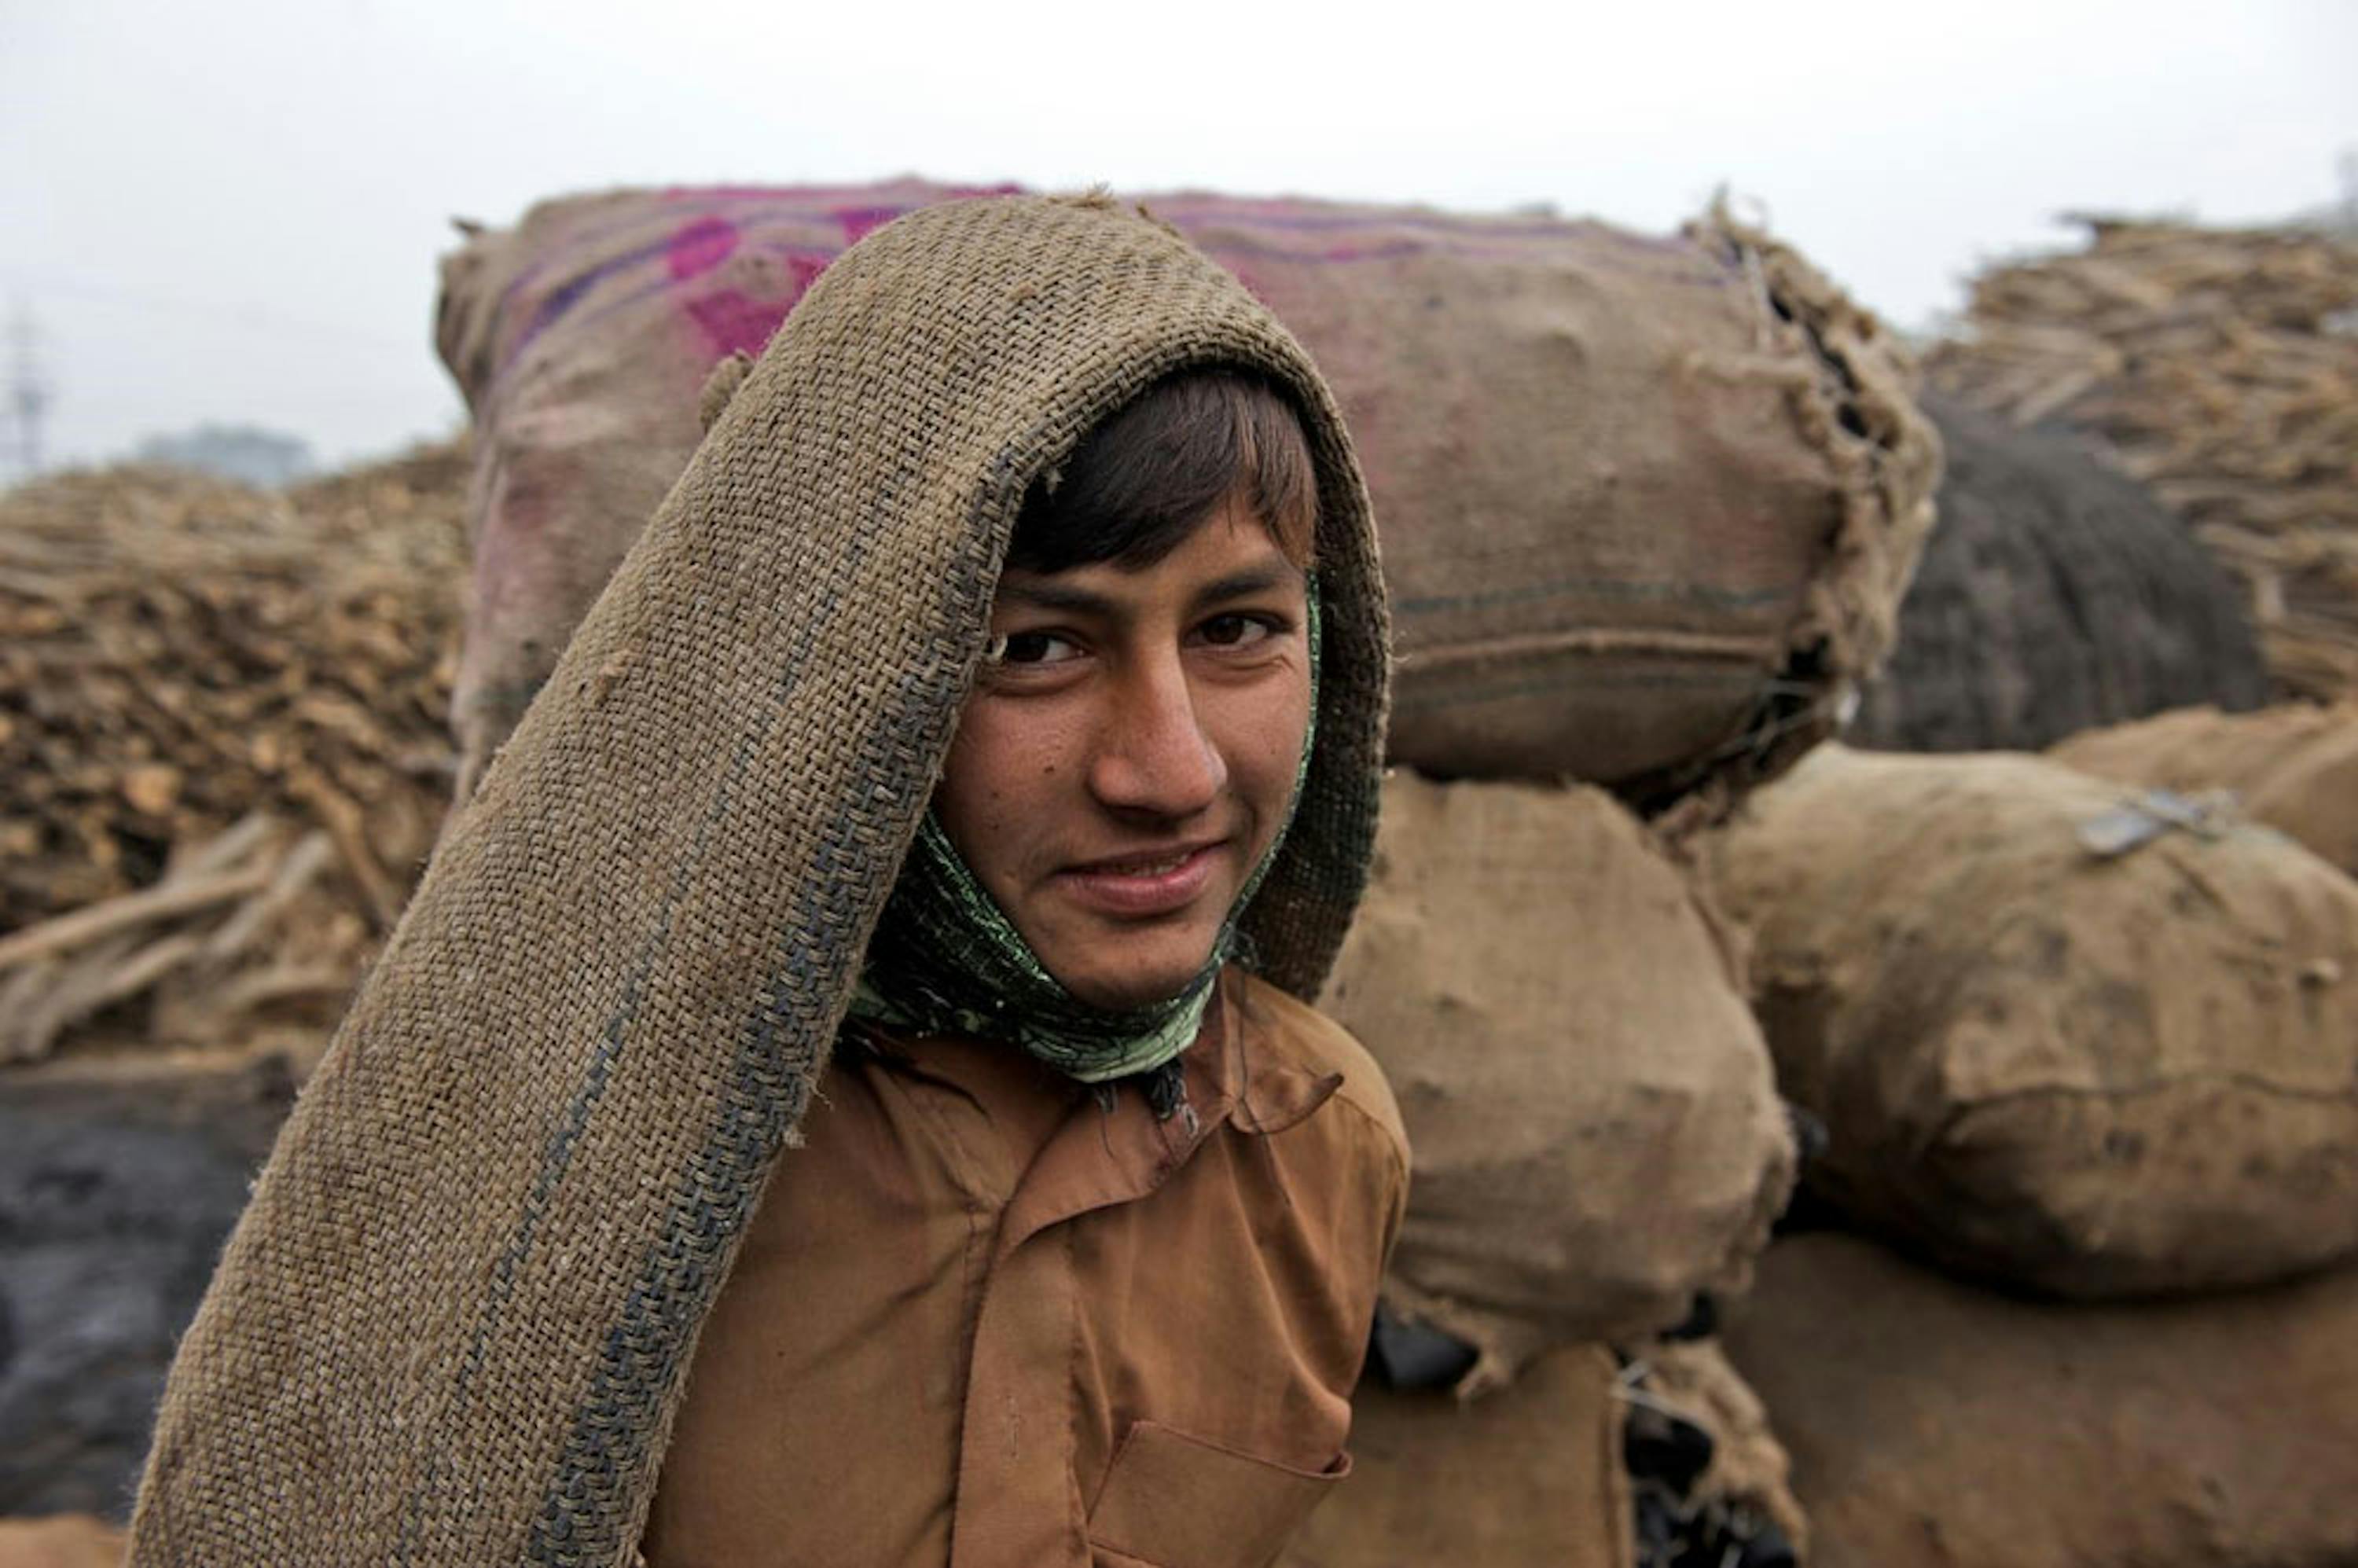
(2055, 596)
(1595, 1130)
(581, 339)
(1932, 1423)
(1648, 504)
(2294, 769)
(2096, 1074)
(1529, 1476)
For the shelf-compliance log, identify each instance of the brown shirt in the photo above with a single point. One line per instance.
(980, 1319)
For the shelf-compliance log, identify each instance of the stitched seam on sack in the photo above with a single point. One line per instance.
(2239, 1080)
(1422, 699)
(1622, 590)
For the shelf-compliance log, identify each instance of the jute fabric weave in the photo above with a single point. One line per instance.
(452, 1326)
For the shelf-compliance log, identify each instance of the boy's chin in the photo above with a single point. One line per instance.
(1149, 985)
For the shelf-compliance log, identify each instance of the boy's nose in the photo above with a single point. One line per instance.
(1154, 755)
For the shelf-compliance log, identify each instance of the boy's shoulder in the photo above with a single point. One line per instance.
(1298, 1033)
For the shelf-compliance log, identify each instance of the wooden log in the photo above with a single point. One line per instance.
(305, 862)
(69, 931)
(346, 825)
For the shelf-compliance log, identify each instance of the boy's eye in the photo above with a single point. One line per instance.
(1032, 648)
(1236, 630)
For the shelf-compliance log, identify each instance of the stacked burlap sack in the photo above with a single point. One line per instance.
(1934, 1423)
(1598, 1143)
(60, 1540)
(1596, 1126)
(1532, 399)
(1646, 509)
(1589, 1459)
(2294, 768)
(2071, 1038)
(2063, 1037)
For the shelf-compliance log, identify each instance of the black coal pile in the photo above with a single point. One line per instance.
(117, 1189)
(2055, 596)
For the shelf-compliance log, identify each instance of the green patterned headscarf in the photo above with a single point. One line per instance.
(945, 959)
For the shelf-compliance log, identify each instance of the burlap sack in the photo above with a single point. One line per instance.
(1530, 1477)
(1597, 1132)
(2093, 1076)
(1749, 1468)
(60, 1541)
(2294, 769)
(453, 1324)
(1538, 1475)
(581, 339)
(1649, 504)
(1933, 1424)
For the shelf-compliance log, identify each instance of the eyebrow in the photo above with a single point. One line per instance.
(1249, 580)
(1046, 593)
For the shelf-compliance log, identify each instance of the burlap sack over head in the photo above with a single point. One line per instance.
(1650, 504)
(453, 1325)
(1597, 1130)
(2055, 1040)
(2294, 768)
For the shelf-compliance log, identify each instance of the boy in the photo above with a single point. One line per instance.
(1080, 1255)
(1024, 1320)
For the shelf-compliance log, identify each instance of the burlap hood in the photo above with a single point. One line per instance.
(453, 1324)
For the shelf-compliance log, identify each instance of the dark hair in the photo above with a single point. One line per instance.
(1141, 481)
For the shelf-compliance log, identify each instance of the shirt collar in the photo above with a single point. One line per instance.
(1098, 1156)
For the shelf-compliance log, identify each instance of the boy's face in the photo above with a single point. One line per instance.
(1120, 772)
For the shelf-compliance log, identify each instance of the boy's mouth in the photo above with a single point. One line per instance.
(1157, 882)
(1143, 868)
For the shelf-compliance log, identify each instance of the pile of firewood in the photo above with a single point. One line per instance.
(222, 744)
(2220, 367)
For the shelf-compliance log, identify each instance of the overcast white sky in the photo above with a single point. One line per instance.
(231, 212)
